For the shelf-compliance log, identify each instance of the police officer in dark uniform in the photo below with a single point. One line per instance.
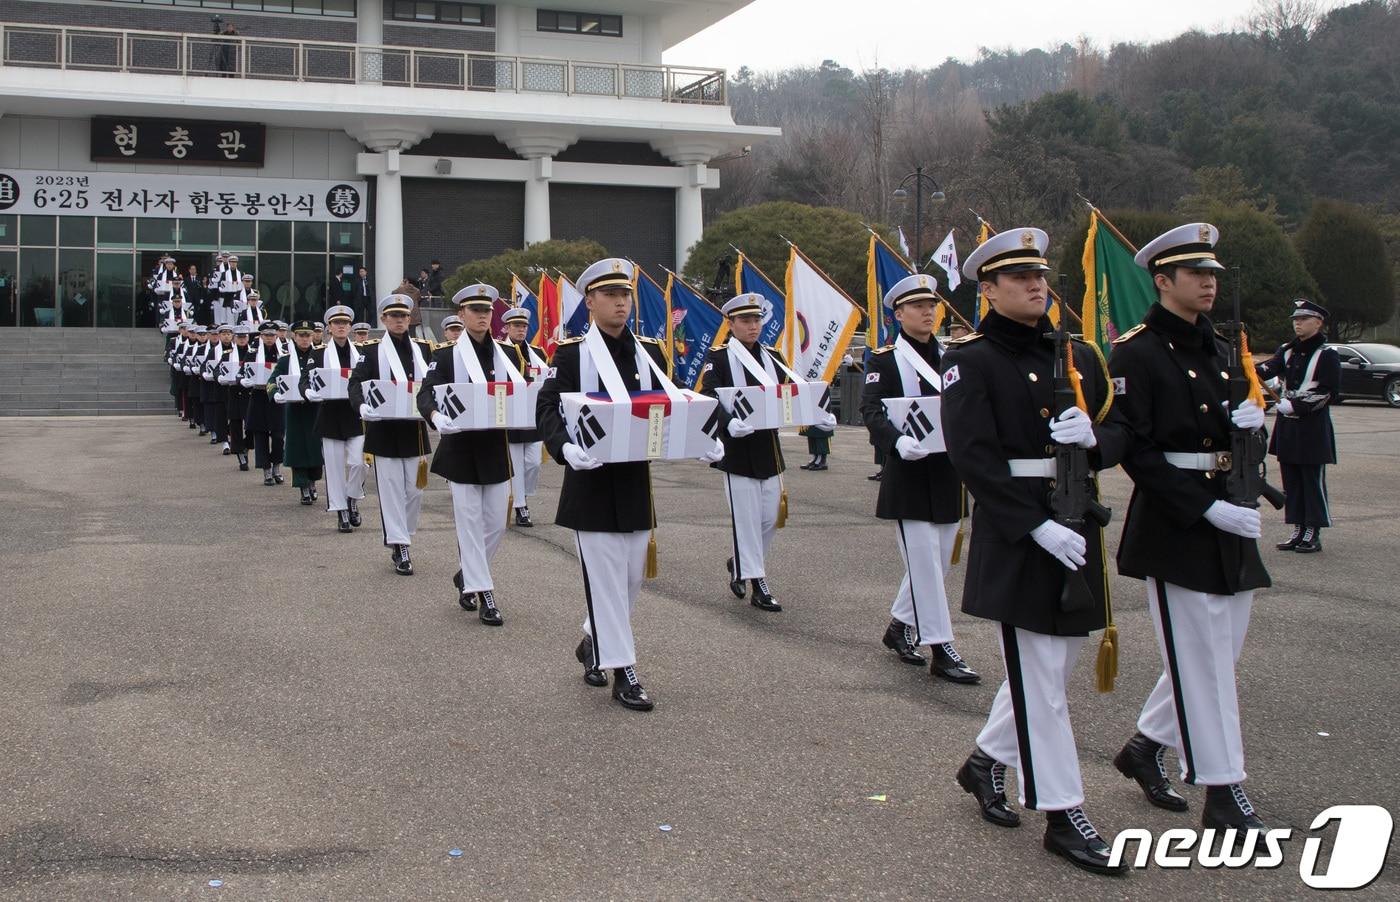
(609, 506)
(920, 490)
(1303, 440)
(1195, 549)
(1002, 435)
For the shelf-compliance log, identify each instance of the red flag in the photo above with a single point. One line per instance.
(547, 338)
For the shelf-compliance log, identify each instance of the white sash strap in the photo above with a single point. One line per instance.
(762, 375)
(1309, 373)
(389, 358)
(911, 363)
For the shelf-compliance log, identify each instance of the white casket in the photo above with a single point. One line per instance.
(776, 406)
(389, 400)
(332, 382)
(647, 426)
(920, 419)
(488, 405)
(290, 388)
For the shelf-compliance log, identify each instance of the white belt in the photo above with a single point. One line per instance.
(1209, 461)
(1043, 468)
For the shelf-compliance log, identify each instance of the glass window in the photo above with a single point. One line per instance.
(9, 314)
(453, 13)
(310, 236)
(579, 23)
(303, 7)
(199, 234)
(75, 231)
(113, 232)
(9, 229)
(274, 235)
(75, 286)
(275, 284)
(156, 234)
(37, 231)
(309, 281)
(347, 238)
(36, 290)
(115, 292)
(239, 235)
(339, 8)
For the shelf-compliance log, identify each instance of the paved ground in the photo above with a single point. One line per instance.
(204, 681)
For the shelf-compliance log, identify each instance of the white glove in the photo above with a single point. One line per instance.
(1073, 427)
(1250, 415)
(580, 459)
(246, 383)
(311, 394)
(1236, 520)
(1284, 408)
(279, 397)
(365, 412)
(738, 428)
(1063, 543)
(715, 454)
(827, 420)
(909, 449)
(443, 424)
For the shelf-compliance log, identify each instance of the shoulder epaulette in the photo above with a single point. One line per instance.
(719, 347)
(447, 344)
(649, 340)
(1129, 334)
(966, 339)
(570, 341)
(885, 350)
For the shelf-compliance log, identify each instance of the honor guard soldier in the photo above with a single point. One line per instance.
(609, 506)
(400, 447)
(236, 394)
(451, 327)
(318, 336)
(1043, 581)
(920, 491)
(753, 461)
(338, 424)
(194, 382)
(360, 332)
(254, 314)
(266, 420)
(215, 397)
(474, 462)
(525, 444)
(1195, 549)
(1303, 440)
(231, 290)
(302, 449)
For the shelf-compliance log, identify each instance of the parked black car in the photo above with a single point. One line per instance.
(1370, 371)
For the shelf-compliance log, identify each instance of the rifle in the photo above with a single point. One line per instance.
(1244, 480)
(1072, 497)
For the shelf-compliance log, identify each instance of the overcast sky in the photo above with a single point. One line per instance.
(774, 34)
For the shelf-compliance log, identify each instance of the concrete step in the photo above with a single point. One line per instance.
(80, 412)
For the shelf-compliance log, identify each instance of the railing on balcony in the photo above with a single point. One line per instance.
(215, 56)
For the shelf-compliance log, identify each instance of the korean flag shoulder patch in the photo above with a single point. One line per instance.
(951, 377)
(1120, 385)
(871, 377)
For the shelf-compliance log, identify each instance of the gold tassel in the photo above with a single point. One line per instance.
(782, 509)
(957, 546)
(653, 566)
(1107, 665)
(422, 481)
(369, 460)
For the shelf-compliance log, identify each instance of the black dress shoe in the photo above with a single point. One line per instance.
(876, 476)
(522, 517)
(1142, 760)
(213, 439)
(900, 639)
(277, 474)
(985, 778)
(489, 614)
(591, 675)
(1070, 835)
(243, 462)
(267, 477)
(808, 465)
(762, 598)
(947, 664)
(306, 496)
(466, 599)
(737, 586)
(1311, 542)
(354, 511)
(403, 566)
(227, 451)
(342, 519)
(820, 466)
(203, 432)
(1228, 806)
(1293, 540)
(628, 692)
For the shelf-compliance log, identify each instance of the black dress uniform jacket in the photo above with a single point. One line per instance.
(390, 438)
(264, 414)
(613, 497)
(926, 489)
(522, 436)
(998, 397)
(1171, 380)
(1306, 437)
(757, 455)
(337, 419)
(477, 457)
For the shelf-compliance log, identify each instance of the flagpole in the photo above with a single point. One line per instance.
(1106, 221)
(953, 310)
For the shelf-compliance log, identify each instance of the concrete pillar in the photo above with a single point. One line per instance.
(537, 224)
(507, 29)
(388, 225)
(650, 41)
(690, 218)
(691, 155)
(369, 30)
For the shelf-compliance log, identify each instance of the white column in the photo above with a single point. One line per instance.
(537, 224)
(690, 221)
(369, 30)
(388, 226)
(507, 29)
(650, 40)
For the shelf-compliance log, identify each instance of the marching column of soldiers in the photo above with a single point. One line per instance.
(1028, 417)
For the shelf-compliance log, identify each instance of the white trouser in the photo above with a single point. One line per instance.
(524, 470)
(612, 563)
(400, 499)
(345, 471)
(753, 511)
(927, 549)
(1193, 707)
(1043, 752)
(480, 514)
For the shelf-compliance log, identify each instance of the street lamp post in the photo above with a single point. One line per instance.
(901, 194)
